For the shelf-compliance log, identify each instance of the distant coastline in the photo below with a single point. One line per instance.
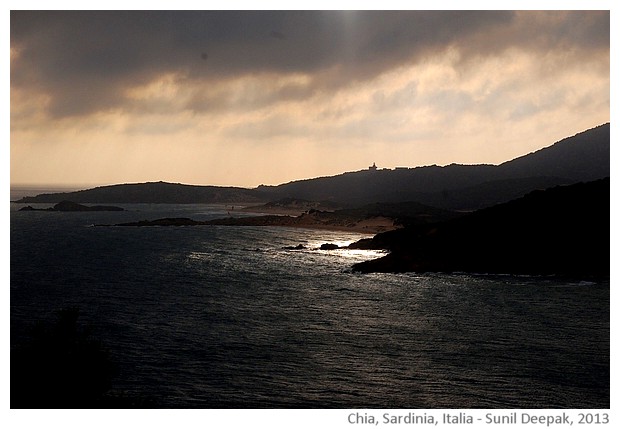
(455, 187)
(370, 226)
(527, 215)
(18, 192)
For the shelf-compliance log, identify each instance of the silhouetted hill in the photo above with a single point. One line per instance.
(583, 157)
(154, 192)
(561, 231)
(487, 194)
(365, 187)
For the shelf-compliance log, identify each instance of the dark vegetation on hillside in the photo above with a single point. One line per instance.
(61, 365)
(561, 231)
(404, 213)
(583, 157)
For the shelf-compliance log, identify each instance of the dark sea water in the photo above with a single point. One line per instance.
(221, 317)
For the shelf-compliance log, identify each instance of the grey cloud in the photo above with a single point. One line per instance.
(86, 60)
(209, 101)
(589, 31)
(581, 33)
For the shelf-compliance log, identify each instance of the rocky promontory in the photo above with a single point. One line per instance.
(562, 231)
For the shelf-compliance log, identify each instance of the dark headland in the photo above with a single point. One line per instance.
(562, 231)
(544, 213)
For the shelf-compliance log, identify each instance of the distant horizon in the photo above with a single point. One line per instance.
(81, 186)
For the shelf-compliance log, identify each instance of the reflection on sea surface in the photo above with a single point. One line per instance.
(228, 317)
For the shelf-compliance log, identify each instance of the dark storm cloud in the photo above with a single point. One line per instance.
(85, 61)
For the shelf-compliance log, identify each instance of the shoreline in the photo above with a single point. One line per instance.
(322, 220)
(369, 226)
(357, 229)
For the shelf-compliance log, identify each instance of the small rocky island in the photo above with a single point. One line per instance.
(68, 206)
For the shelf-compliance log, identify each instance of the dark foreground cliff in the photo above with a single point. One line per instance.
(562, 231)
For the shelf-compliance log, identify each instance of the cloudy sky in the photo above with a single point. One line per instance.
(244, 98)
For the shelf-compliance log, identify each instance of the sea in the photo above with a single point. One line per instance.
(230, 317)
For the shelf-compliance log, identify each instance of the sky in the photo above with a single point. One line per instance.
(243, 98)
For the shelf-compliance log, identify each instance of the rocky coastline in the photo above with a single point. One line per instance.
(315, 220)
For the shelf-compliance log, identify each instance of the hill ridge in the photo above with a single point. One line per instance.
(584, 156)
